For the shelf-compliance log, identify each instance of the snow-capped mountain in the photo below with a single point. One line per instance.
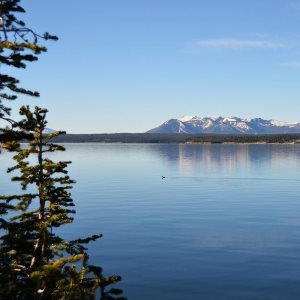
(227, 125)
(48, 131)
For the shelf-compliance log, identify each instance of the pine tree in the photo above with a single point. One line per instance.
(35, 262)
(18, 46)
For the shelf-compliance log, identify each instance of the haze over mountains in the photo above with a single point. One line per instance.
(225, 125)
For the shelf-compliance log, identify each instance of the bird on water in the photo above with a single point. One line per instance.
(163, 177)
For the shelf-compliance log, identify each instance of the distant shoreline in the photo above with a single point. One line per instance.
(158, 138)
(242, 143)
(179, 138)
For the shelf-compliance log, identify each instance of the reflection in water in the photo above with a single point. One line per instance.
(226, 158)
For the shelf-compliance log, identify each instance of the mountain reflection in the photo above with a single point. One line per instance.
(227, 157)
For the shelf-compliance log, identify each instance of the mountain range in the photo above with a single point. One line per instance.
(48, 130)
(225, 125)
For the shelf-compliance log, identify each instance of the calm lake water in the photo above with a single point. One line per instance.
(223, 225)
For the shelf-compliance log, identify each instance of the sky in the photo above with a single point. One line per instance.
(130, 65)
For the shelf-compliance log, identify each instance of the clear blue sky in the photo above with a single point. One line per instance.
(129, 65)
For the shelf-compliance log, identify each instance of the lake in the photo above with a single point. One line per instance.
(224, 224)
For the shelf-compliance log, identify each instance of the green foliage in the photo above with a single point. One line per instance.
(176, 138)
(246, 138)
(35, 262)
(19, 45)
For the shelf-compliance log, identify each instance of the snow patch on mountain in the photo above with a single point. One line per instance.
(186, 118)
(280, 123)
(48, 130)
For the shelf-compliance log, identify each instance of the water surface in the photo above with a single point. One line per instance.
(224, 224)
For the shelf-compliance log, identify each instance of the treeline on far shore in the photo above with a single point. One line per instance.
(176, 138)
(269, 138)
(123, 138)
